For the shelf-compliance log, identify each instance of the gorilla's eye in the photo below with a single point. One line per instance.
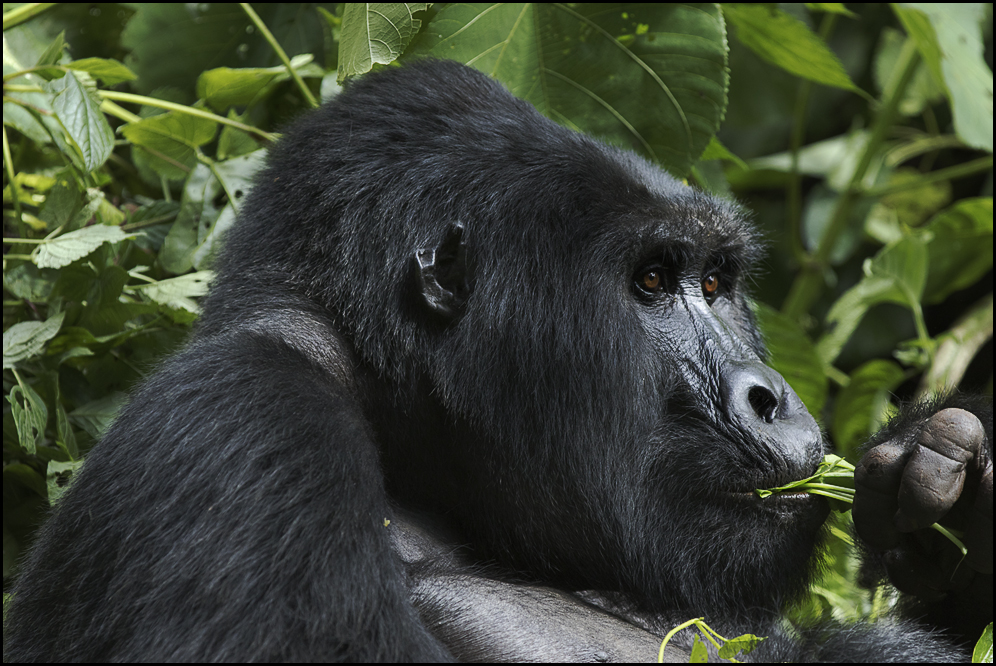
(710, 285)
(651, 281)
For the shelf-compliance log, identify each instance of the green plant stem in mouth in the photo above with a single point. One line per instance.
(836, 467)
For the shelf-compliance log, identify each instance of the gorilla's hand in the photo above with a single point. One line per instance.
(939, 472)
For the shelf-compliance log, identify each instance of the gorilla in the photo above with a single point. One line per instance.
(471, 385)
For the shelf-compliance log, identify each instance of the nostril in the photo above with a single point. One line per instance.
(763, 402)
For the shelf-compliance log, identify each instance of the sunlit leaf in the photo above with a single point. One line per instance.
(108, 70)
(67, 248)
(26, 339)
(786, 42)
(983, 652)
(699, 655)
(179, 292)
(949, 38)
(745, 643)
(57, 477)
(375, 33)
(78, 107)
(224, 87)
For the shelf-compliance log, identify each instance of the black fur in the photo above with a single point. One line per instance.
(574, 431)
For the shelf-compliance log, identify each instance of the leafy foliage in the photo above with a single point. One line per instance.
(132, 133)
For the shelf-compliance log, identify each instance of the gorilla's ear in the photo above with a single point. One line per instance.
(443, 274)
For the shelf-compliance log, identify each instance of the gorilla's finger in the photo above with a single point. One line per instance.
(876, 484)
(911, 573)
(935, 475)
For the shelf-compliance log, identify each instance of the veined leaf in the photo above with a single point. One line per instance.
(67, 248)
(375, 32)
(650, 77)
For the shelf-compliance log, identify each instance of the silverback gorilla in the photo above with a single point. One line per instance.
(470, 385)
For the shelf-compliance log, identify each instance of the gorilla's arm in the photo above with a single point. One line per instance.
(932, 464)
(482, 618)
(234, 511)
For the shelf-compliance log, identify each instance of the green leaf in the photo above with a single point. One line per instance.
(95, 416)
(961, 247)
(830, 8)
(862, 405)
(57, 477)
(65, 437)
(29, 282)
(375, 33)
(78, 107)
(983, 652)
(793, 355)
(179, 292)
(745, 643)
(26, 339)
(717, 151)
(54, 52)
(949, 38)
(922, 90)
(224, 87)
(897, 274)
(170, 138)
(786, 42)
(108, 70)
(30, 415)
(67, 248)
(699, 655)
(192, 241)
(649, 77)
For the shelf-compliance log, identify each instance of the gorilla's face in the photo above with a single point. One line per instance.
(615, 412)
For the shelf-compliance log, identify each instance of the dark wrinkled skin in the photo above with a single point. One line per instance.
(429, 413)
(938, 470)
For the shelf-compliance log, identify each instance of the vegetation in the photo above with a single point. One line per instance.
(861, 138)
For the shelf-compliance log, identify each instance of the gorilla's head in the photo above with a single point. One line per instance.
(554, 340)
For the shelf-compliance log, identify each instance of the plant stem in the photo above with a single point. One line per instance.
(189, 110)
(24, 12)
(979, 165)
(258, 22)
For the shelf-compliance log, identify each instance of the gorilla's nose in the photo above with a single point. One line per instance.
(761, 402)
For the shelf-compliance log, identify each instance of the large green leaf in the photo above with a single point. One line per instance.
(76, 104)
(26, 339)
(650, 77)
(787, 42)
(377, 32)
(961, 250)
(67, 248)
(949, 37)
(224, 87)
